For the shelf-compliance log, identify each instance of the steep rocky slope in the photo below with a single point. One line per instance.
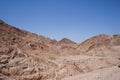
(21, 53)
(101, 45)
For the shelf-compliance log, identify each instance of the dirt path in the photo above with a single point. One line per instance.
(112, 73)
(83, 67)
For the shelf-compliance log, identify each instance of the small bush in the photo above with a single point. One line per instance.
(52, 58)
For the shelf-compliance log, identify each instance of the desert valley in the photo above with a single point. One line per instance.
(28, 56)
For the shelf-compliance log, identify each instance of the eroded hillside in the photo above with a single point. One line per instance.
(28, 56)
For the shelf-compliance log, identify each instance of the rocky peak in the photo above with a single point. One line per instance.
(66, 41)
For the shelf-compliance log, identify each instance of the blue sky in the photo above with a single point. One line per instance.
(56, 19)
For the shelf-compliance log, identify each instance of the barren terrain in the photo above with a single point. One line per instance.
(28, 56)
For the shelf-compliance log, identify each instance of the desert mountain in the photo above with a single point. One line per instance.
(28, 56)
(67, 46)
(101, 45)
(65, 41)
(23, 40)
(19, 52)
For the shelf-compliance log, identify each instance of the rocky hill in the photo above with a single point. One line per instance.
(66, 46)
(28, 56)
(101, 45)
(19, 52)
